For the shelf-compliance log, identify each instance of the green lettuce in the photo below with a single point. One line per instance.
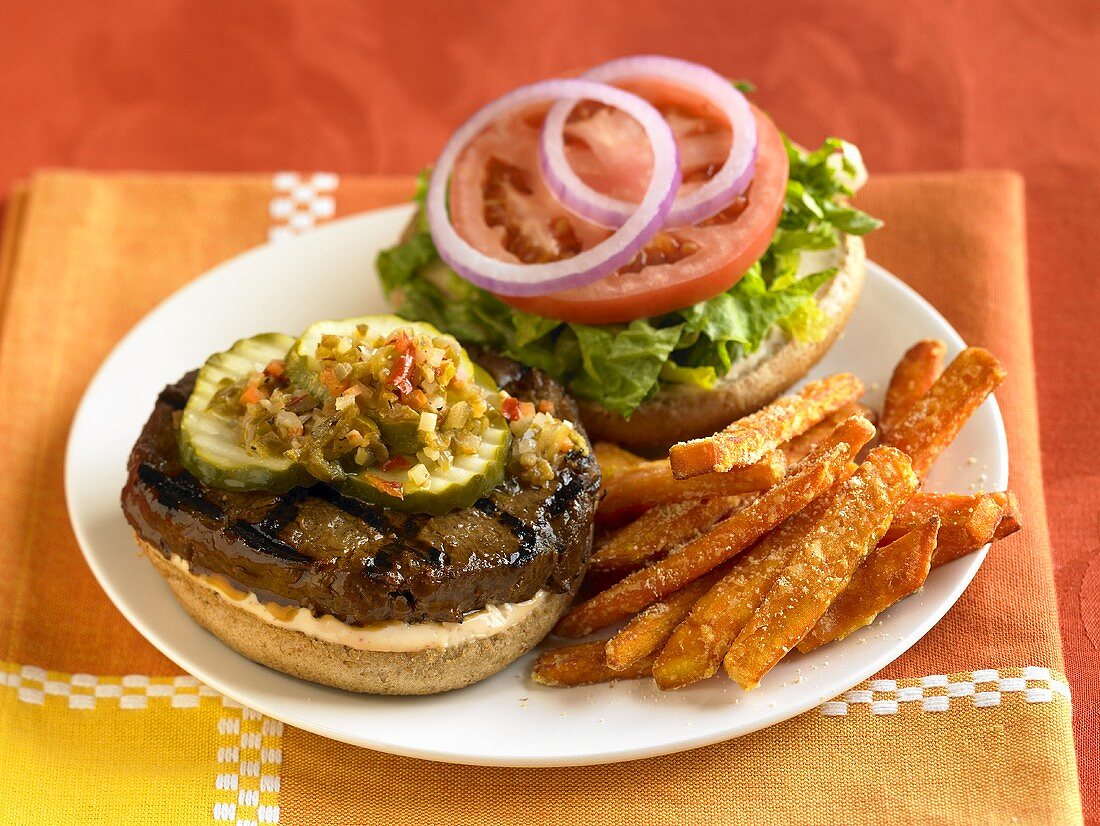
(621, 365)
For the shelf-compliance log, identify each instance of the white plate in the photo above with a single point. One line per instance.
(506, 720)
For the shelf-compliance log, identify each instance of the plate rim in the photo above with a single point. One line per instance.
(230, 690)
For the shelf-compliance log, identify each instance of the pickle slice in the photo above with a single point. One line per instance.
(469, 478)
(301, 361)
(209, 443)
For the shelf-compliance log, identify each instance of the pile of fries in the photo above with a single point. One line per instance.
(773, 534)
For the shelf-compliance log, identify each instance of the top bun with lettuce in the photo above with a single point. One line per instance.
(644, 234)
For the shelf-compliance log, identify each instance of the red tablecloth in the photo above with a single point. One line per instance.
(377, 86)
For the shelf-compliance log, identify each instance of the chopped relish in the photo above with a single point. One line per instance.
(404, 401)
(540, 443)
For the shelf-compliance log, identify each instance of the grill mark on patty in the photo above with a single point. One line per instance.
(405, 528)
(264, 536)
(353, 507)
(486, 506)
(174, 491)
(284, 510)
(378, 564)
(525, 533)
(185, 490)
(260, 538)
(570, 488)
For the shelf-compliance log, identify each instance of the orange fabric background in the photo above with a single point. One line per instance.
(372, 87)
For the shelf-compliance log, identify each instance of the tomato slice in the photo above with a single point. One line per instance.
(500, 205)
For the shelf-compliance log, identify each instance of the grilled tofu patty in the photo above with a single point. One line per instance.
(318, 549)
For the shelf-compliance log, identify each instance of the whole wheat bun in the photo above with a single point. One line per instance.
(754, 381)
(428, 671)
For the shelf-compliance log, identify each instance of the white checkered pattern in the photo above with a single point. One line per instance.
(985, 688)
(87, 691)
(299, 203)
(250, 757)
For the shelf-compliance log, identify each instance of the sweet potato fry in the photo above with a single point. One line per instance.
(583, 664)
(800, 446)
(1010, 518)
(612, 459)
(855, 432)
(888, 574)
(821, 563)
(750, 438)
(658, 531)
(700, 556)
(635, 490)
(932, 423)
(648, 631)
(915, 373)
(696, 648)
(968, 521)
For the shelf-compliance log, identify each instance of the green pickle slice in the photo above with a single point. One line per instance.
(209, 443)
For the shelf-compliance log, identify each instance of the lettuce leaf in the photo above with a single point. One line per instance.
(621, 365)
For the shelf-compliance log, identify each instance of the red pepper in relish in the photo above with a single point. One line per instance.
(275, 369)
(404, 358)
(328, 380)
(510, 408)
(397, 463)
(251, 395)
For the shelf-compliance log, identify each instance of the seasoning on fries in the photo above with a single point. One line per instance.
(854, 432)
(749, 439)
(659, 530)
(934, 421)
(914, 375)
(822, 560)
(695, 650)
(888, 574)
(583, 664)
(637, 489)
(800, 446)
(727, 539)
(968, 521)
(650, 629)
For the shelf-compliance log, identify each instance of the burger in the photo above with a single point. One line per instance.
(645, 235)
(369, 506)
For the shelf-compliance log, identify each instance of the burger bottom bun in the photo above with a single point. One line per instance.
(754, 381)
(428, 671)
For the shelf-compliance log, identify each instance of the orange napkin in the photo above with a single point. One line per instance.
(84, 257)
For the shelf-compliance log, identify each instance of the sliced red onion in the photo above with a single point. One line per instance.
(640, 223)
(709, 199)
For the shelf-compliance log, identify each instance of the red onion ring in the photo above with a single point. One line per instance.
(709, 199)
(640, 224)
